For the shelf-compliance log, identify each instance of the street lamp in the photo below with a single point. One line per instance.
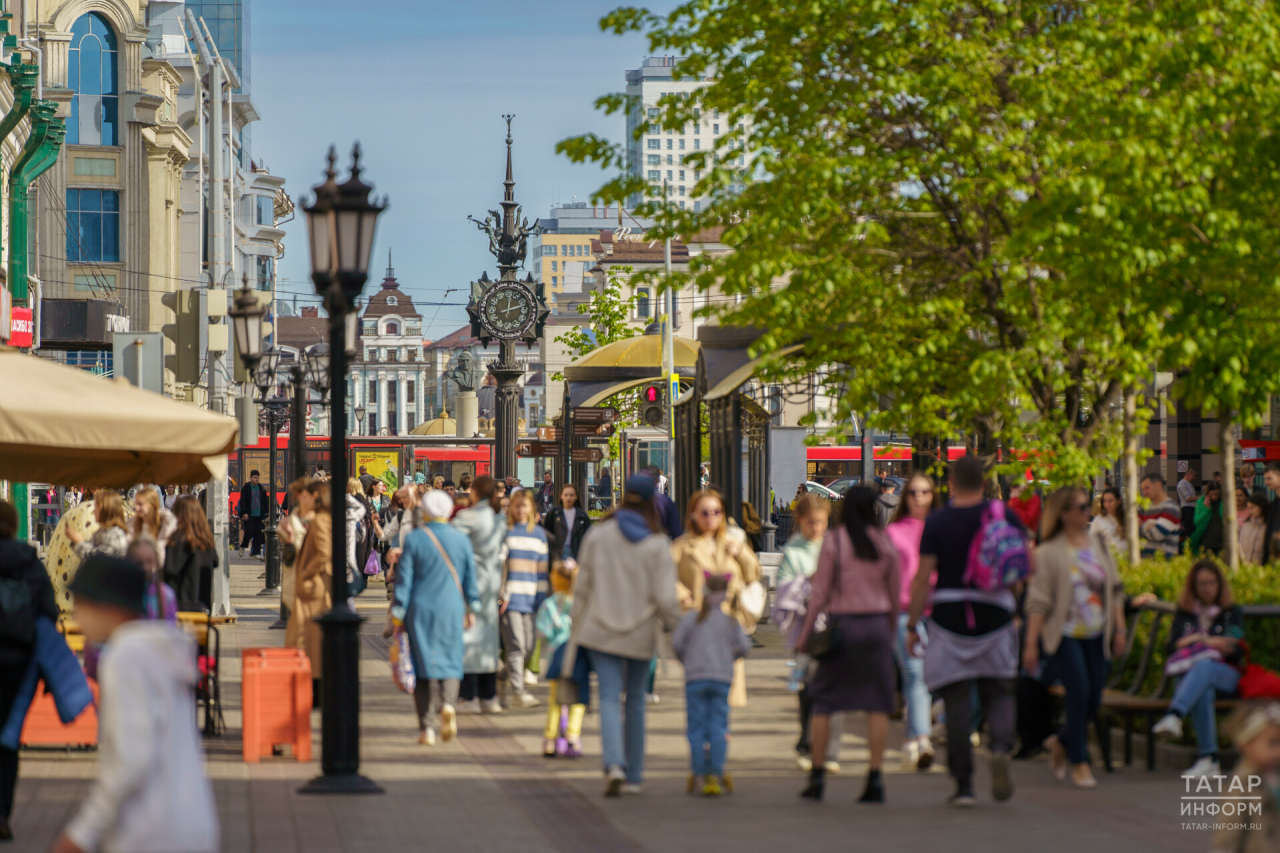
(360, 420)
(246, 319)
(275, 409)
(340, 226)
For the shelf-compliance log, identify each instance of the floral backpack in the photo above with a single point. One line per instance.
(998, 556)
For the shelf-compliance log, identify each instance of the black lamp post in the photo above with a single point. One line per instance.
(359, 420)
(340, 226)
(275, 411)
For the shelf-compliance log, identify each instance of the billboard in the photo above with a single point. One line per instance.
(381, 463)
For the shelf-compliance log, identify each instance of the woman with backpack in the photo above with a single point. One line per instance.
(1075, 608)
(25, 594)
(856, 587)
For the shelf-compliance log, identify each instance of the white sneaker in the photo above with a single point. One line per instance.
(652, 698)
(469, 706)
(1204, 766)
(427, 737)
(490, 706)
(832, 767)
(1170, 726)
(910, 755)
(529, 678)
(614, 778)
(630, 788)
(527, 700)
(804, 762)
(448, 723)
(926, 754)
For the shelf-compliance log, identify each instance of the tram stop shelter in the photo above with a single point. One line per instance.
(719, 364)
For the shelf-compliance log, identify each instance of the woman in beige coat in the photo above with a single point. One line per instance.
(1075, 606)
(710, 547)
(313, 578)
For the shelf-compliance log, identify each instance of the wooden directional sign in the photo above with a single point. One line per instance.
(595, 414)
(550, 433)
(586, 454)
(592, 430)
(538, 448)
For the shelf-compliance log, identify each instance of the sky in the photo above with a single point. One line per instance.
(422, 85)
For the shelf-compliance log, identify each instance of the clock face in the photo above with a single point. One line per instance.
(507, 310)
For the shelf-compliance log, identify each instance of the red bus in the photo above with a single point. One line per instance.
(826, 464)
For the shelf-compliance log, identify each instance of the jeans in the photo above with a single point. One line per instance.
(622, 744)
(996, 696)
(253, 535)
(518, 638)
(10, 678)
(707, 723)
(1195, 695)
(478, 685)
(1084, 669)
(915, 695)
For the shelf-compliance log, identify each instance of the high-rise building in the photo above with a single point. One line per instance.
(659, 155)
(560, 255)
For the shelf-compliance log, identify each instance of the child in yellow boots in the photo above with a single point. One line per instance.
(569, 692)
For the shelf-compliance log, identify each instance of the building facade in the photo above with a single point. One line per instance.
(658, 155)
(388, 374)
(561, 251)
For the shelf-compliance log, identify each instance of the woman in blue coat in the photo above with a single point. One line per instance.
(435, 599)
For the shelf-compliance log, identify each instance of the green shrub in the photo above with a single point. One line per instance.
(1250, 584)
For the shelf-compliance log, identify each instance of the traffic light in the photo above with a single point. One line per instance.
(185, 333)
(653, 403)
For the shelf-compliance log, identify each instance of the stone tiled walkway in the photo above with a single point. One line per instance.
(490, 790)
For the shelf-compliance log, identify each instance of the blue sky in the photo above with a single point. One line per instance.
(421, 84)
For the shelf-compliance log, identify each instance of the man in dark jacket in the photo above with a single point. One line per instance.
(667, 510)
(253, 515)
(24, 588)
(1271, 547)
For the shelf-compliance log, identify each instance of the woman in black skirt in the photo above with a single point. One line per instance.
(856, 589)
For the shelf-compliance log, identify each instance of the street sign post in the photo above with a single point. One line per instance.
(586, 454)
(537, 448)
(590, 431)
(594, 415)
(550, 433)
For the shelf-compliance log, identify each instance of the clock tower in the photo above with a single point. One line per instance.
(507, 310)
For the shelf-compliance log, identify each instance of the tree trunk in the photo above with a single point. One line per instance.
(1230, 524)
(1131, 476)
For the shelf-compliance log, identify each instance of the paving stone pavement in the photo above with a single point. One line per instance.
(490, 790)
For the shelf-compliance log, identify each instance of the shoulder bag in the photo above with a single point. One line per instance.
(826, 642)
(444, 556)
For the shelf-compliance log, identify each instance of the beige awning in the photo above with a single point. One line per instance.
(67, 426)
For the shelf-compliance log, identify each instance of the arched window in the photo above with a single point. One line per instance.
(393, 329)
(93, 73)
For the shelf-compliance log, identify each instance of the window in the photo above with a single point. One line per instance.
(682, 174)
(391, 300)
(393, 355)
(682, 189)
(264, 272)
(555, 267)
(653, 112)
(642, 302)
(654, 142)
(742, 160)
(413, 354)
(410, 389)
(93, 226)
(715, 128)
(264, 210)
(669, 178)
(682, 200)
(93, 73)
(548, 250)
(697, 144)
(670, 159)
(655, 175)
(554, 281)
(564, 250)
(655, 159)
(681, 144)
(373, 388)
(715, 114)
(393, 329)
(95, 283)
(697, 174)
(697, 207)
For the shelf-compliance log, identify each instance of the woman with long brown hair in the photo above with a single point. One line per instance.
(707, 548)
(1204, 648)
(112, 536)
(152, 520)
(191, 557)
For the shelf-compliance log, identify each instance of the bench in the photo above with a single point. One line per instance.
(1124, 695)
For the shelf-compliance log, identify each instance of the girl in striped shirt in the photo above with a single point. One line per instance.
(525, 584)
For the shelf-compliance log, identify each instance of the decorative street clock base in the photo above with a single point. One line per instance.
(507, 409)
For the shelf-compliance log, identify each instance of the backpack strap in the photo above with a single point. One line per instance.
(440, 549)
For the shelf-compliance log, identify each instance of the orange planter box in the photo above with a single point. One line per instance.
(43, 727)
(276, 698)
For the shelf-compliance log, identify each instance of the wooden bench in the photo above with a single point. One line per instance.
(1125, 696)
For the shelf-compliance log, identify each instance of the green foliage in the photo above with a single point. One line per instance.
(999, 216)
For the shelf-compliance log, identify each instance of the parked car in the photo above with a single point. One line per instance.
(841, 485)
(819, 489)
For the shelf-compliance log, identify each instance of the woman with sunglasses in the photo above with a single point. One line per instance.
(1075, 607)
(706, 548)
(905, 530)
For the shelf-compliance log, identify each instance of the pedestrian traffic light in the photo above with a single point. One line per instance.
(653, 403)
